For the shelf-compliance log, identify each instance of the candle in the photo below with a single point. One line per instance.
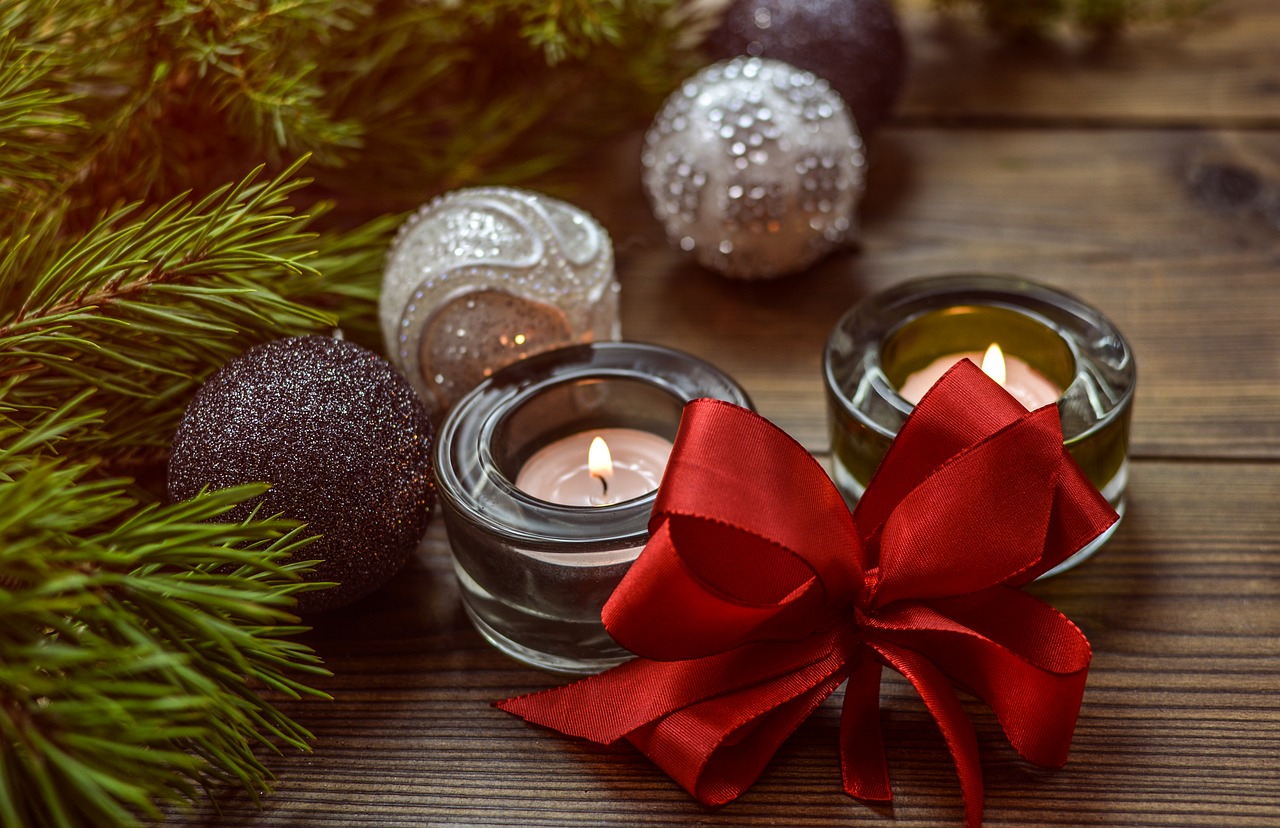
(596, 468)
(1027, 385)
(887, 350)
(535, 558)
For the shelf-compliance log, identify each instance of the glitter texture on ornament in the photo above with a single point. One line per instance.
(342, 438)
(482, 277)
(755, 167)
(855, 45)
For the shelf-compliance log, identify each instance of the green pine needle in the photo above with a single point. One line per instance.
(134, 670)
(37, 130)
(143, 646)
(145, 307)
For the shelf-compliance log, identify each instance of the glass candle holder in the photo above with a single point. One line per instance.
(536, 574)
(885, 339)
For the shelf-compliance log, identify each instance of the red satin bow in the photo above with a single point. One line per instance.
(759, 593)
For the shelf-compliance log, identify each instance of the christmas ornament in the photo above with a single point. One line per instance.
(856, 45)
(755, 167)
(482, 277)
(343, 439)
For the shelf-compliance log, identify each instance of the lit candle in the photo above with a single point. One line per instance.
(1026, 384)
(1083, 364)
(596, 468)
(535, 574)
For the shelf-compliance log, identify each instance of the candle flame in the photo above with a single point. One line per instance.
(993, 363)
(599, 461)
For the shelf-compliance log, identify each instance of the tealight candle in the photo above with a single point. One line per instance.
(596, 468)
(1027, 385)
(540, 534)
(887, 351)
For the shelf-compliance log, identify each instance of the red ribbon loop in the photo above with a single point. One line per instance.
(759, 594)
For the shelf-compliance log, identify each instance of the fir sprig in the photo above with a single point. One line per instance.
(174, 93)
(394, 99)
(138, 646)
(564, 27)
(494, 92)
(36, 128)
(144, 307)
(143, 646)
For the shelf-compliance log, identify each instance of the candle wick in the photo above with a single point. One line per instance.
(604, 484)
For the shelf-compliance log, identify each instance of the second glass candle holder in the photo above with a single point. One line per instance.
(888, 341)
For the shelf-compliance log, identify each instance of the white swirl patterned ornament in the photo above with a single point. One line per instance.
(482, 277)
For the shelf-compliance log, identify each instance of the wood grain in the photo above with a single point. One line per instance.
(1180, 724)
(1217, 69)
(1112, 216)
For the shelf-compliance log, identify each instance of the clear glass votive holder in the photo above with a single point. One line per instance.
(885, 338)
(535, 574)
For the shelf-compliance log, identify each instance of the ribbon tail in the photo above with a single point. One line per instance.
(1026, 660)
(606, 707)
(594, 708)
(936, 692)
(711, 723)
(862, 763)
(717, 749)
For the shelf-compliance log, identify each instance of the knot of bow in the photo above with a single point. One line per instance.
(758, 594)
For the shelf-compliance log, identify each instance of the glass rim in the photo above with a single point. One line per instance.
(488, 498)
(890, 310)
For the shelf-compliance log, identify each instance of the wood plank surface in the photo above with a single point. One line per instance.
(1143, 177)
(1112, 216)
(1180, 724)
(1216, 69)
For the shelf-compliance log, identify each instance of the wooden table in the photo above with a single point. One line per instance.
(1145, 178)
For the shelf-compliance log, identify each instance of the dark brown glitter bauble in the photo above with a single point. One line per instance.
(342, 438)
(855, 45)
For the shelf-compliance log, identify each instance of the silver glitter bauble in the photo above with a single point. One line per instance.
(342, 438)
(755, 167)
(482, 277)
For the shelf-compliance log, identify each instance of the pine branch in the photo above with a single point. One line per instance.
(570, 27)
(143, 308)
(142, 647)
(137, 646)
(507, 93)
(391, 97)
(37, 131)
(169, 89)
